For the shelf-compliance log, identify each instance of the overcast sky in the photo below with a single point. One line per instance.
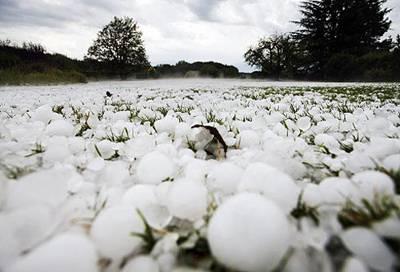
(173, 30)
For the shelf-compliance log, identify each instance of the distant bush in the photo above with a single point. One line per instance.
(52, 76)
(341, 67)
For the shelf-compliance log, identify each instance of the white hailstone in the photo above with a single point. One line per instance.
(187, 199)
(163, 138)
(96, 164)
(371, 183)
(249, 233)
(106, 148)
(312, 195)
(303, 123)
(57, 149)
(161, 192)
(60, 128)
(12, 249)
(121, 116)
(3, 189)
(248, 139)
(167, 124)
(337, 191)
(44, 114)
(111, 231)
(30, 225)
(196, 169)
(378, 126)
(76, 144)
(139, 146)
(141, 263)
(63, 253)
(389, 227)
(328, 141)
(48, 187)
(379, 148)
(143, 197)
(354, 265)
(114, 173)
(182, 130)
(224, 177)
(392, 162)
(147, 113)
(155, 167)
(167, 149)
(358, 161)
(367, 246)
(280, 130)
(272, 183)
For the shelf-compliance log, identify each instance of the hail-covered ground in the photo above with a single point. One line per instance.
(93, 182)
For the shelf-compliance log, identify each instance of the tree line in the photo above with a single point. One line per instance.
(336, 40)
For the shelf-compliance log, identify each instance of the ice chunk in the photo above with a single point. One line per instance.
(167, 124)
(367, 246)
(112, 231)
(354, 265)
(224, 177)
(60, 128)
(43, 187)
(392, 163)
(154, 168)
(371, 183)
(143, 197)
(249, 233)
(187, 199)
(64, 253)
(303, 123)
(141, 263)
(275, 185)
(337, 191)
(105, 148)
(249, 139)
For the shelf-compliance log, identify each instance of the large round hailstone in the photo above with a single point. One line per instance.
(249, 233)
(367, 246)
(143, 197)
(115, 172)
(182, 130)
(248, 139)
(187, 199)
(57, 149)
(44, 114)
(335, 190)
(328, 141)
(60, 128)
(167, 124)
(303, 123)
(141, 263)
(224, 177)
(112, 229)
(371, 183)
(354, 265)
(76, 144)
(64, 253)
(106, 149)
(389, 228)
(392, 162)
(48, 187)
(155, 167)
(29, 225)
(272, 183)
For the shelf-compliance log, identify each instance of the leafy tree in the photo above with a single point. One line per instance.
(275, 56)
(119, 45)
(330, 27)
